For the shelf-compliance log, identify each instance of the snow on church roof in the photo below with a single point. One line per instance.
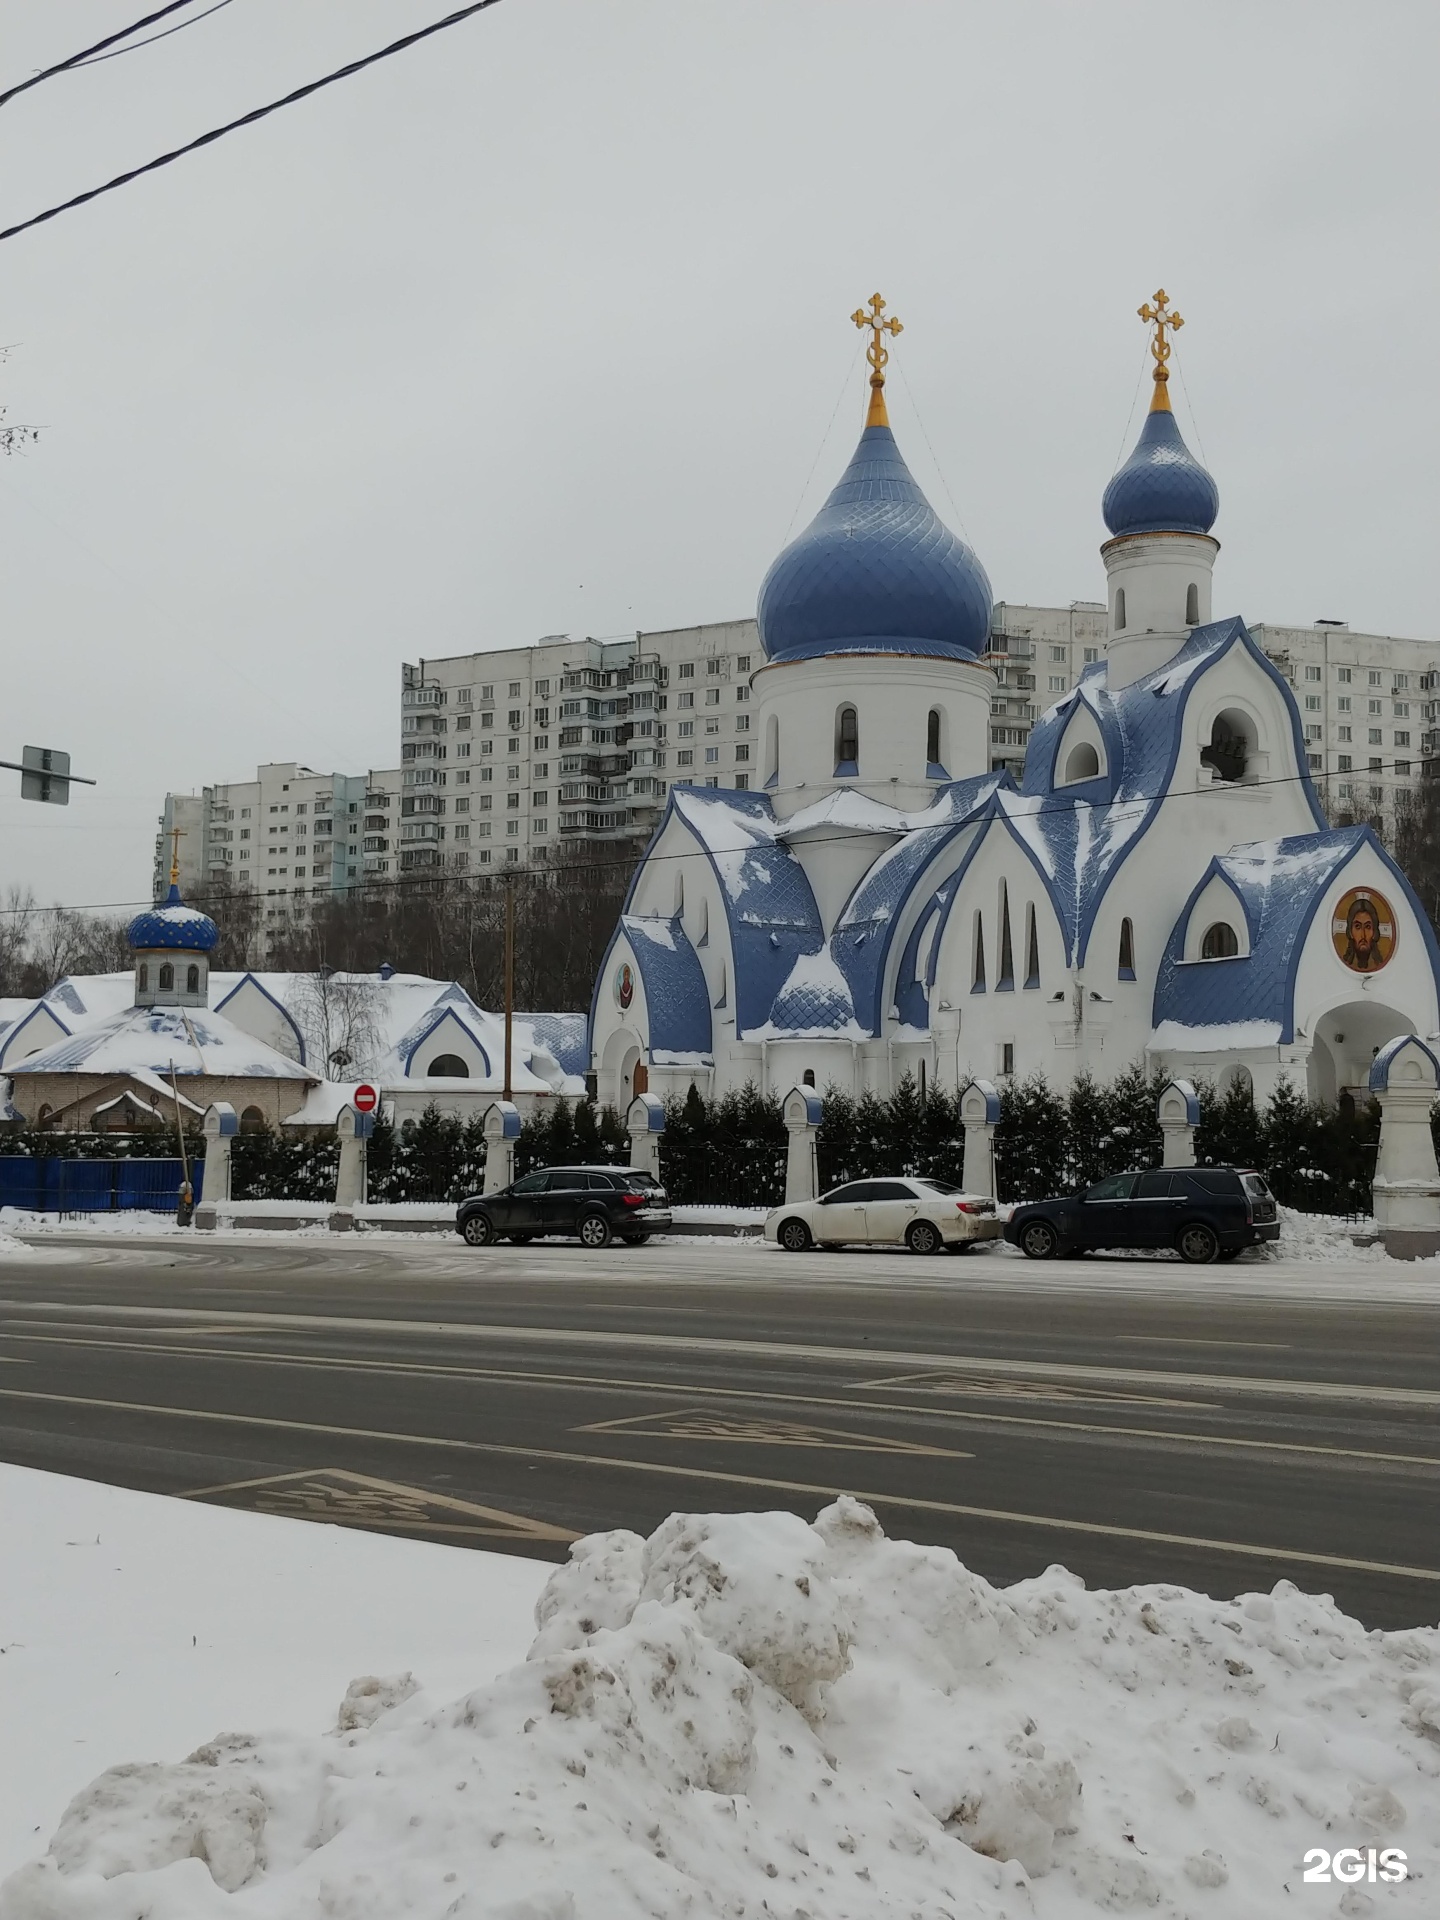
(151, 1039)
(1081, 841)
(677, 1000)
(1280, 883)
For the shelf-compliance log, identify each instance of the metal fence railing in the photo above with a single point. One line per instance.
(47, 1183)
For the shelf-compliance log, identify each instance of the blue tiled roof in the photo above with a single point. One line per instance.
(677, 1000)
(1280, 884)
(173, 924)
(1083, 840)
(875, 571)
(454, 1004)
(1162, 487)
(565, 1036)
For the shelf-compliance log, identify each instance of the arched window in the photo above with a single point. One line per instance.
(1192, 605)
(144, 981)
(252, 1120)
(977, 976)
(449, 1066)
(1231, 744)
(807, 1079)
(1120, 609)
(1005, 978)
(933, 761)
(192, 979)
(1219, 942)
(167, 977)
(1032, 948)
(922, 1083)
(1127, 950)
(42, 1118)
(847, 741)
(1081, 763)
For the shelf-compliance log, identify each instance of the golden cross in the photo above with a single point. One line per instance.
(1160, 317)
(176, 835)
(877, 353)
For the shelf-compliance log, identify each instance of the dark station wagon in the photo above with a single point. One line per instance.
(594, 1204)
(1203, 1213)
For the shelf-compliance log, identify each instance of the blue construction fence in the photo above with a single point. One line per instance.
(49, 1184)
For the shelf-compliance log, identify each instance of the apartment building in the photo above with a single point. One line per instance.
(290, 836)
(509, 755)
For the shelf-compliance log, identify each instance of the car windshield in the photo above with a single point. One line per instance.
(938, 1186)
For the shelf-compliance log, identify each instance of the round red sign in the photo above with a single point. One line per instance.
(365, 1099)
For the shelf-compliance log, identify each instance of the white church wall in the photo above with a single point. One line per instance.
(1159, 588)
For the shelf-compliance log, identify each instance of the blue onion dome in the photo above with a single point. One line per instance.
(173, 924)
(876, 571)
(1162, 487)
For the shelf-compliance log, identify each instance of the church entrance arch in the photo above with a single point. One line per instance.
(622, 1060)
(1343, 1043)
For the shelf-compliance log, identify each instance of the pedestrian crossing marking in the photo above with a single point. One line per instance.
(701, 1423)
(954, 1380)
(340, 1498)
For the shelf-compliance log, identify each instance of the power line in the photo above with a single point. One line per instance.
(178, 28)
(431, 878)
(248, 119)
(76, 59)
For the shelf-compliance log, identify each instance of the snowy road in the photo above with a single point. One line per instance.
(1218, 1428)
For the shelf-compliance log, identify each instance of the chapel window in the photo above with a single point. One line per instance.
(932, 741)
(1127, 950)
(1192, 605)
(1219, 942)
(1032, 948)
(847, 740)
(192, 979)
(144, 977)
(1120, 609)
(167, 977)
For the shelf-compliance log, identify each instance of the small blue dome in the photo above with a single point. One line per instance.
(876, 571)
(173, 924)
(1162, 487)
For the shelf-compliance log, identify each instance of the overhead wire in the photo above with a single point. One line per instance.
(86, 53)
(179, 27)
(290, 99)
(431, 878)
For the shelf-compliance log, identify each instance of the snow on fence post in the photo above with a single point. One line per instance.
(502, 1130)
(1404, 1077)
(353, 1131)
(219, 1126)
(980, 1114)
(645, 1122)
(804, 1110)
(1179, 1111)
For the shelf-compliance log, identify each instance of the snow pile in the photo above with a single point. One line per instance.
(746, 1715)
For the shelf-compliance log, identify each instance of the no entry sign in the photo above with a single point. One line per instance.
(366, 1098)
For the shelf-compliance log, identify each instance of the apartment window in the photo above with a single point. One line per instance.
(487, 746)
(684, 700)
(1373, 678)
(462, 806)
(1312, 703)
(712, 696)
(742, 694)
(1057, 683)
(712, 667)
(514, 689)
(742, 663)
(487, 693)
(542, 770)
(462, 723)
(1057, 653)
(1402, 767)
(687, 670)
(539, 799)
(1343, 733)
(516, 718)
(1402, 737)
(1342, 674)
(486, 802)
(742, 723)
(712, 755)
(1342, 703)
(487, 774)
(274, 809)
(1313, 733)
(686, 729)
(1091, 654)
(244, 813)
(742, 782)
(512, 746)
(711, 726)
(742, 754)
(512, 802)
(512, 829)
(1376, 766)
(1342, 792)
(245, 833)
(486, 720)
(1377, 796)
(462, 750)
(460, 833)
(1374, 706)
(541, 743)
(1400, 709)
(685, 757)
(1376, 736)
(1316, 761)
(463, 779)
(542, 827)
(1401, 683)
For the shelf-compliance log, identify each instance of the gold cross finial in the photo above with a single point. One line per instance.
(1163, 320)
(877, 353)
(176, 835)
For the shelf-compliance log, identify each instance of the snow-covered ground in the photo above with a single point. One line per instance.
(744, 1715)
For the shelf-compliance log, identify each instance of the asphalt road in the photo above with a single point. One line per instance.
(513, 1399)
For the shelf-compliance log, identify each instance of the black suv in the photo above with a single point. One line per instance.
(1204, 1213)
(596, 1204)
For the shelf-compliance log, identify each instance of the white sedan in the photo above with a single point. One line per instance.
(925, 1215)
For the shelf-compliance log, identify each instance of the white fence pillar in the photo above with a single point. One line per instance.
(353, 1130)
(803, 1110)
(1404, 1077)
(219, 1126)
(1179, 1110)
(646, 1122)
(980, 1114)
(502, 1130)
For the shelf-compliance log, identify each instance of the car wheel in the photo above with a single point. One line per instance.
(478, 1230)
(595, 1231)
(923, 1236)
(794, 1236)
(1197, 1244)
(1039, 1240)
(634, 1239)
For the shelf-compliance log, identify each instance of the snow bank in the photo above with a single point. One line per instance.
(745, 1715)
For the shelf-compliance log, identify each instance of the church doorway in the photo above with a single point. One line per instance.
(639, 1079)
(1343, 1043)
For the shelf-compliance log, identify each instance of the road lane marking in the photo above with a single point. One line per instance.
(776, 1349)
(613, 1463)
(938, 1380)
(699, 1423)
(1183, 1340)
(610, 1383)
(342, 1498)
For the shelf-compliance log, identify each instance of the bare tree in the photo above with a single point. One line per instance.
(338, 1015)
(17, 917)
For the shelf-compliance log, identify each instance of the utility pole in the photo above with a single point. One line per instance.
(508, 1093)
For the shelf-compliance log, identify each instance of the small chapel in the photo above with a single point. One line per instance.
(1162, 887)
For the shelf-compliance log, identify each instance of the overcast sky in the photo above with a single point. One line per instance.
(542, 326)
